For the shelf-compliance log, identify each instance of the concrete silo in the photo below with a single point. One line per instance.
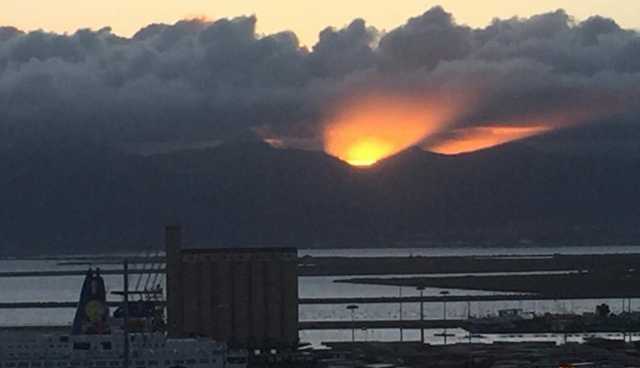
(245, 296)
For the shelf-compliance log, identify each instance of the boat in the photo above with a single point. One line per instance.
(516, 321)
(98, 340)
(507, 321)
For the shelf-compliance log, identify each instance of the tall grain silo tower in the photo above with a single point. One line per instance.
(244, 296)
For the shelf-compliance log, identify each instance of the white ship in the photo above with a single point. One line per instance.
(97, 340)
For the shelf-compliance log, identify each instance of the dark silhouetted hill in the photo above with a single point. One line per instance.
(248, 193)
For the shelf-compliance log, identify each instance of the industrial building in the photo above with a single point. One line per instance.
(244, 296)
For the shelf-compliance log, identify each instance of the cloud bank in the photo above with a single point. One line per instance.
(199, 81)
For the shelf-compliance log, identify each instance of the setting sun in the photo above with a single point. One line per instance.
(374, 127)
(367, 151)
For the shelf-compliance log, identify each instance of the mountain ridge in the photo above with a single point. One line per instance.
(249, 193)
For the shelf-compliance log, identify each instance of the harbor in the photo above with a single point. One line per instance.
(392, 303)
(296, 310)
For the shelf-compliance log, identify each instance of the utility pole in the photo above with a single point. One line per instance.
(469, 317)
(624, 319)
(629, 318)
(126, 313)
(401, 330)
(444, 293)
(421, 289)
(353, 308)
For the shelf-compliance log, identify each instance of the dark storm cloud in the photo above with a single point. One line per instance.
(426, 41)
(199, 81)
(340, 52)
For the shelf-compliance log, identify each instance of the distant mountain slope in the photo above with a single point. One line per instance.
(248, 193)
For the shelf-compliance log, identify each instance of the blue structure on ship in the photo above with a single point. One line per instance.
(92, 313)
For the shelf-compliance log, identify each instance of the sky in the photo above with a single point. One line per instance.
(376, 81)
(305, 18)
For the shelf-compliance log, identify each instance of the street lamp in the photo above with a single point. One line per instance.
(352, 308)
(421, 289)
(444, 294)
(469, 317)
(401, 331)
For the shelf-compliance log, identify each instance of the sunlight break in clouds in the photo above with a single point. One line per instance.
(481, 137)
(373, 127)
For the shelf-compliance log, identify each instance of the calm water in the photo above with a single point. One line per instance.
(68, 288)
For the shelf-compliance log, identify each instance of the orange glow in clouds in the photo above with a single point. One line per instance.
(375, 127)
(476, 138)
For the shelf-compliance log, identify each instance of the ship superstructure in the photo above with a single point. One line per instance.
(98, 341)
